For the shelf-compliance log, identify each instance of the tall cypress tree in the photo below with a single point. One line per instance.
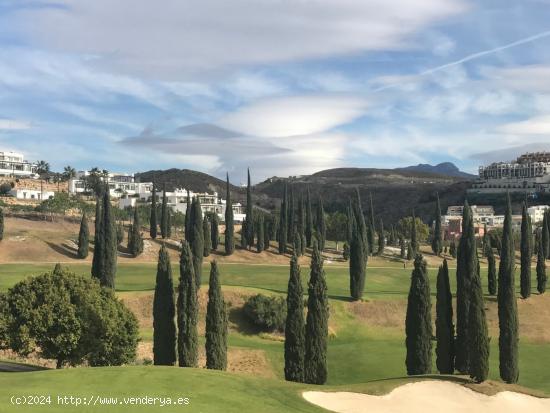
(526, 253)
(135, 241)
(357, 263)
(371, 227)
(188, 217)
(197, 239)
(283, 218)
(291, 217)
(215, 231)
(169, 223)
(478, 340)
(206, 236)
(164, 328)
(315, 361)
(97, 260)
(350, 222)
(437, 241)
(268, 222)
(321, 229)
(295, 325)
(249, 214)
(216, 323)
(309, 219)
(361, 224)
(108, 243)
(188, 310)
(546, 235)
(414, 239)
(260, 233)
(1, 224)
(492, 270)
(83, 237)
(164, 214)
(465, 271)
(418, 322)
(229, 225)
(541, 266)
(153, 217)
(507, 306)
(444, 327)
(301, 224)
(381, 239)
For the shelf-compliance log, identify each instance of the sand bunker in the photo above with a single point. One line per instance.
(428, 397)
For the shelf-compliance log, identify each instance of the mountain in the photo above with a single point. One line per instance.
(444, 168)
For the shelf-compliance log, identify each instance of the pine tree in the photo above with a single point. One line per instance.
(164, 328)
(153, 218)
(437, 242)
(216, 323)
(260, 233)
(444, 327)
(309, 220)
(109, 244)
(135, 240)
(478, 340)
(197, 239)
(188, 217)
(321, 225)
(466, 269)
(381, 239)
(541, 266)
(315, 360)
(249, 235)
(357, 263)
(418, 323)
(97, 260)
(507, 306)
(164, 214)
(1, 224)
(215, 231)
(526, 253)
(207, 239)
(282, 233)
(295, 325)
(188, 310)
(83, 236)
(492, 270)
(229, 225)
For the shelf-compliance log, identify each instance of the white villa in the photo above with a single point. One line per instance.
(120, 185)
(12, 164)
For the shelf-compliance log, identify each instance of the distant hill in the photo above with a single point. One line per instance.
(444, 168)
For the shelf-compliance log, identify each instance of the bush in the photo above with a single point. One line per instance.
(266, 313)
(67, 318)
(5, 189)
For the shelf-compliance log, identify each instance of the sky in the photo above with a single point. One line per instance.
(285, 87)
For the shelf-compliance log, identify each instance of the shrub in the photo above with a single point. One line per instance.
(266, 313)
(5, 188)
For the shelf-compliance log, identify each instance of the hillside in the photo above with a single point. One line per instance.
(444, 168)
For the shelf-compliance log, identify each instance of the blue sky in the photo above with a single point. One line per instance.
(286, 87)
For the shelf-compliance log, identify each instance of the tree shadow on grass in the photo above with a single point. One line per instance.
(63, 249)
(238, 319)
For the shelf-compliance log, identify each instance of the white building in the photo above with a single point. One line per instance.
(537, 213)
(120, 185)
(481, 214)
(13, 164)
(31, 194)
(528, 173)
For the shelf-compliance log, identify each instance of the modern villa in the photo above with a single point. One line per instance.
(12, 164)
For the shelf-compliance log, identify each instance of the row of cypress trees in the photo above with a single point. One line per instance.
(306, 341)
(104, 263)
(181, 343)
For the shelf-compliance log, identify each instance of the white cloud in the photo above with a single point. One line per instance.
(11, 124)
(539, 125)
(300, 115)
(174, 36)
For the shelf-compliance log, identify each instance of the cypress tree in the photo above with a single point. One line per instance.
(229, 225)
(507, 306)
(164, 328)
(164, 214)
(1, 224)
(153, 218)
(526, 253)
(83, 236)
(321, 225)
(350, 222)
(478, 340)
(360, 223)
(97, 260)
(168, 223)
(309, 219)
(315, 360)
(207, 240)
(541, 266)
(119, 233)
(410, 252)
(545, 235)
(244, 241)
(295, 325)
(268, 223)
(249, 234)
(414, 240)
(403, 253)
(492, 270)
(357, 263)
(291, 227)
(109, 244)
(188, 217)
(297, 243)
(370, 227)
(283, 222)
(260, 235)
(437, 242)
(444, 327)
(188, 310)
(381, 239)
(418, 323)
(465, 271)
(135, 241)
(215, 231)
(197, 239)
(301, 224)
(452, 249)
(216, 323)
